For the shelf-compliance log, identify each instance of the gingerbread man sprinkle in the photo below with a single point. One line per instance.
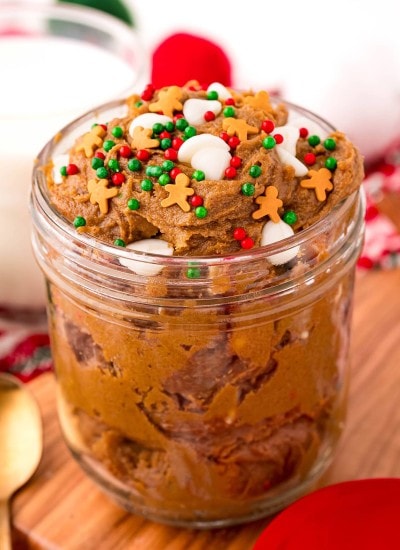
(168, 101)
(178, 193)
(319, 181)
(141, 138)
(269, 204)
(92, 140)
(99, 193)
(259, 101)
(239, 127)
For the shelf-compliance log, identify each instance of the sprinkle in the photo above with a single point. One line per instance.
(193, 273)
(113, 165)
(259, 101)
(201, 212)
(239, 233)
(102, 172)
(134, 165)
(170, 126)
(165, 144)
(314, 140)
(141, 139)
(199, 175)
(213, 95)
(290, 217)
(146, 185)
(189, 132)
(330, 144)
(154, 171)
(157, 128)
(181, 124)
(269, 142)
(233, 142)
(100, 155)
(118, 178)
(255, 171)
(108, 145)
(168, 101)
(171, 154)
(92, 140)
(117, 132)
(230, 101)
(72, 169)
(165, 135)
(248, 189)
(133, 204)
(209, 116)
(238, 127)
(236, 162)
(194, 110)
(319, 181)
(119, 242)
(164, 179)
(331, 163)
(309, 159)
(303, 132)
(269, 204)
(196, 200)
(167, 165)
(97, 163)
(79, 221)
(278, 138)
(224, 136)
(267, 126)
(148, 93)
(229, 112)
(63, 171)
(142, 154)
(100, 193)
(230, 172)
(178, 193)
(175, 172)
(177, 143)
(247, 243)
(125, 151)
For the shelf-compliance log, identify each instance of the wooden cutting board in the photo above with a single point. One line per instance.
(62, 509)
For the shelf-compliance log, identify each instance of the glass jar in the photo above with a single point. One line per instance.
(205, 391)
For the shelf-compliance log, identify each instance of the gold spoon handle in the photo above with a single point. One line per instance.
(5, 531)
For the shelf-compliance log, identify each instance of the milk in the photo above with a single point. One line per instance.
(45, 82)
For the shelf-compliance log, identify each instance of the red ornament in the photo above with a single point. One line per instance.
(143, 154)
(72, 169)
(247, 243)
(125, 151)
(98, 154)
(303, 132)
(233, 142)
(236, 162)
(209, 116)
(224, 136)
(118, 178)
(196, 200)
(239, 234)
(176, 143)
(174, 172)
(310, 158)
(230, 172)
(230, 101)
(267, 126)
(278, 138)
(171, 154)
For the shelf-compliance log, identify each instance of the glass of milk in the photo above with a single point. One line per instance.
(56, 62)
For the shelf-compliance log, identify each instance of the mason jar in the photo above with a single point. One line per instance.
(199, 391)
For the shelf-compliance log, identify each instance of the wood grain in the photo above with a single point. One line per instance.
(62, 509)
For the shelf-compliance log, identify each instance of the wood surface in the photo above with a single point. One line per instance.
(62, 509)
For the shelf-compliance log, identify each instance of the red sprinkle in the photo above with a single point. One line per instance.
(174, 172)
(224, 136)
(177, 117)
(176, 143)
(247, 243)
(310, 158)
(209, 116)
(171, 154)
(104, 126)
(303, 132)
(278, 138)
(196, 200)
(267, 126)
(165, 135)
(118, 178)
(233, 142)
(365, 262)
(143, 154)
(148, 92)
(72, 169)
(230, 172)
(239, 234)
(236, 162)
(230, 101)
(100, 155)
(125, 151)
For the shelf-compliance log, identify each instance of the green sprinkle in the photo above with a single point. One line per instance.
(290, 217)
(201, 212)
(154, 171)
(181, 124)
(193, 273)
(113, 165)
(212, 94)
(63, 170)
(119, 242)
(314, 140)
(331, 163)
(269, 142)
(248, 189)
(146, 185)
(165, 143)
(190, 131)
(134, 165)
(167, 165)
(133, 204)
(138, 103)
(97, 163)
(158, 128)
(117, 132)
(79, 221)
(164, 179)
(199, 175)
(102, 172)
(229, 112)
(170, 126)
(108, 145)
(330, 144)
(255, 171)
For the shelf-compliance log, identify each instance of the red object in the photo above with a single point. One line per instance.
(125, 151)
(303, 132)
(174, 172)
(361, 514)
(170, 154)
(278, 138)
(267, 126)
(209, 116)
(239, 234)
(247, 243)
(310, 158)
(143, 154)
(236, 162)
(72, 169)
(118, 178)
(230, 172)
(233, 142)
(183, 57)
(196, 200)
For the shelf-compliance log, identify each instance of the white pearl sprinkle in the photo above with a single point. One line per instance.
(151, 246)
(194, 109)
(274, 232)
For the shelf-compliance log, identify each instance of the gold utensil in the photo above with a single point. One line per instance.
(21, 443)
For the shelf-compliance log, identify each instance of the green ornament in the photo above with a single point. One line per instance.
(201, 212)
(119, 242)
(330, 144)
(97, 163)
(248, 189)
(164, 179)
(113, 165)
(117, 132)
(255, 171)
(269, 142)
(199, 175)
(290, 217)
(212, 94)
(229, 112)
(133, 204)
(102, 172)
(134, 165)
(79, 221)
(181, 124)
(146, 185)
(314, 140)
(108, 145)
(331, 163)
